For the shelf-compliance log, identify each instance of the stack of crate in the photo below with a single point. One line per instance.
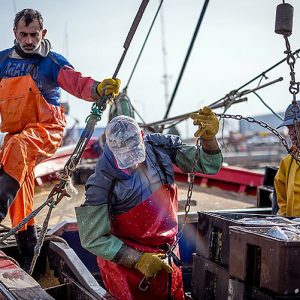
(211, 262)
(262, 266)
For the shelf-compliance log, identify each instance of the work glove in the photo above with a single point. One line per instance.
(109, 86)
(151, 263)
(208, 123)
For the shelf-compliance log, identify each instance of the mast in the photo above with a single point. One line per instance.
(164, 58)
(15, 6)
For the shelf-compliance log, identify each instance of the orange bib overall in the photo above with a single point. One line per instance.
(34, 132)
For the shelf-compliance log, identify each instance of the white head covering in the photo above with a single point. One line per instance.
(124, 139)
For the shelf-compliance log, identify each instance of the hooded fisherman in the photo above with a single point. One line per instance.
(129, 217)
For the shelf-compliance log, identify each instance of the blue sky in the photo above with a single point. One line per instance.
(235, 43)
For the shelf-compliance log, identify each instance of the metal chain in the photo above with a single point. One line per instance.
(260, 123)
(191, 177)
(283, 141)
(293, 89)
(291, 60)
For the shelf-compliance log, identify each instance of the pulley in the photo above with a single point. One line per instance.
(284, 19)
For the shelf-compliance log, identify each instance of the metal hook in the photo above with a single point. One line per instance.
(144, 284)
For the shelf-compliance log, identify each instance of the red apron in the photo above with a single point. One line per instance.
(35, 129)
(146, 227)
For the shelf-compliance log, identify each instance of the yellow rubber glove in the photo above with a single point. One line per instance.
(109, 86)
(208, 123)
(151, 263)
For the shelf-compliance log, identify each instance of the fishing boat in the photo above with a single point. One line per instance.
(226, 253)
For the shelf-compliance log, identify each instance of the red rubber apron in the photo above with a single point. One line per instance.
(35, 130)
(146, 227)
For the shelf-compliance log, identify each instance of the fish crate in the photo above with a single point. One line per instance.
(209, 280)
(264, 261)
(238, 290)
(213, 232)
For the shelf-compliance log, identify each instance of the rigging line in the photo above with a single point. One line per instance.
(187, 57)
(268, 70)
(263, 73)
(185, 116)
(164, 57)
(134, 109)
(266, 105)
(15, 6)
(216, 104)
(141, 51)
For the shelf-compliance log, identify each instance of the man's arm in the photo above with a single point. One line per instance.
(85, 87)
(74, 83)
(94, 231)
(210, 146)
(210, 159)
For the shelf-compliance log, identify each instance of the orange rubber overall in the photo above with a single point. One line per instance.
(35, 130)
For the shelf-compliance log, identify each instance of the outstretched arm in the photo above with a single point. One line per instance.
(210, 156)
(85, 87)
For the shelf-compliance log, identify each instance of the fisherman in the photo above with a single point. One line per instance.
(287, 178)
(31, 76)
(129, 217)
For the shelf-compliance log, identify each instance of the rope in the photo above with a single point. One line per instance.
(263, 74)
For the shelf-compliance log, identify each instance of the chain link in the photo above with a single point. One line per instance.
(293, 89)
(292, 151)
(260, 123)
(191, 177)
(291, 60)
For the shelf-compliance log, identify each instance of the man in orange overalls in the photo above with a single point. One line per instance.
(30, 80)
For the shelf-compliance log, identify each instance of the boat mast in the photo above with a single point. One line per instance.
(164, 58)
(15, 6)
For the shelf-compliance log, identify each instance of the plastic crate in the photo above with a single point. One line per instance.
(213, 233)
(263, 261)
(238, 290)
(209, 280)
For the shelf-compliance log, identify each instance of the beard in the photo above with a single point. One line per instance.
(29, 49)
